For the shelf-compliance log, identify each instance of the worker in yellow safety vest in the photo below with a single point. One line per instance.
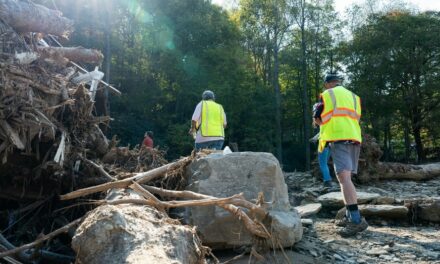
(208, 123)
(338, 116)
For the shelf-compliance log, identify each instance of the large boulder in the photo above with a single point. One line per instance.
(129, 233)
(248, 173)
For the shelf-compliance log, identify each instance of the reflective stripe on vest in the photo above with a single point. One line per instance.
(340, 111)
(212, 119)
(340, 118)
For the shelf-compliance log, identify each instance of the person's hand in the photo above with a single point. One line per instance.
(317, 121)
(191, 131)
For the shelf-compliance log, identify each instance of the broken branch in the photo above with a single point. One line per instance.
(100, 169)
(138, 177)
(42, 239)
(240, 214)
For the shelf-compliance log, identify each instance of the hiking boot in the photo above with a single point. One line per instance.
(342, 222)
(352, 229)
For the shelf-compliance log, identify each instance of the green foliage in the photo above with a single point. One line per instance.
(164, 53)
(394, 65)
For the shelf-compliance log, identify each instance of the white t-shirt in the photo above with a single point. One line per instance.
(197, 116)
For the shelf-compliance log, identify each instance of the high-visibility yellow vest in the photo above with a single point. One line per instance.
(212, 119)
(340, 116)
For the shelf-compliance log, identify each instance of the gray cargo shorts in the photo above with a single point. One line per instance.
(345, 156)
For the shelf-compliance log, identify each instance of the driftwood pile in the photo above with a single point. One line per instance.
(53, 152)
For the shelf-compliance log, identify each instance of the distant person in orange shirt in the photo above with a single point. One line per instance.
(148, 139)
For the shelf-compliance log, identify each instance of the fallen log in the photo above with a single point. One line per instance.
(25, 16)
(400, 171)
(76, 54)
(140, 178)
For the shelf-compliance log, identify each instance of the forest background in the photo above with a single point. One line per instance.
(265, 60)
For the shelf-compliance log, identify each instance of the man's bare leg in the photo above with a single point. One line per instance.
(347, 187)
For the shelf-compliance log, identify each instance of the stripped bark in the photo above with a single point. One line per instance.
(232, 207)
(76, 54)
(25, 16)
(140, 178)
(253, 209)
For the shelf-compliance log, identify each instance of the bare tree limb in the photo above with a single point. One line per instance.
(169, 204)
(240, 214)
(238, 201)
(42, 239)
(100, 169)
(138, 177)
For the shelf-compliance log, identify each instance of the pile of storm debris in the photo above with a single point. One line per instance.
(68, 194)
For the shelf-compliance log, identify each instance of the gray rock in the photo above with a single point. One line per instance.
(334, 199)
(308, 209)
(241, 172)
(376, 252)
(384, 210)
(379, 210)
(133, 234)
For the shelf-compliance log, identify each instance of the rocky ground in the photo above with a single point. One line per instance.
(385, 241)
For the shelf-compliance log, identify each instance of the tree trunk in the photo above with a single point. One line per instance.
(24, 16)
(305, 94)
(108, 63)
(278, 139)
(407, 141)
(386, 148)
(416, 129)
(75, 54)
(419, 144)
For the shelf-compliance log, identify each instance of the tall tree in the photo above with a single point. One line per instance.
(395, 67)
(299, 13)
(265, 23)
